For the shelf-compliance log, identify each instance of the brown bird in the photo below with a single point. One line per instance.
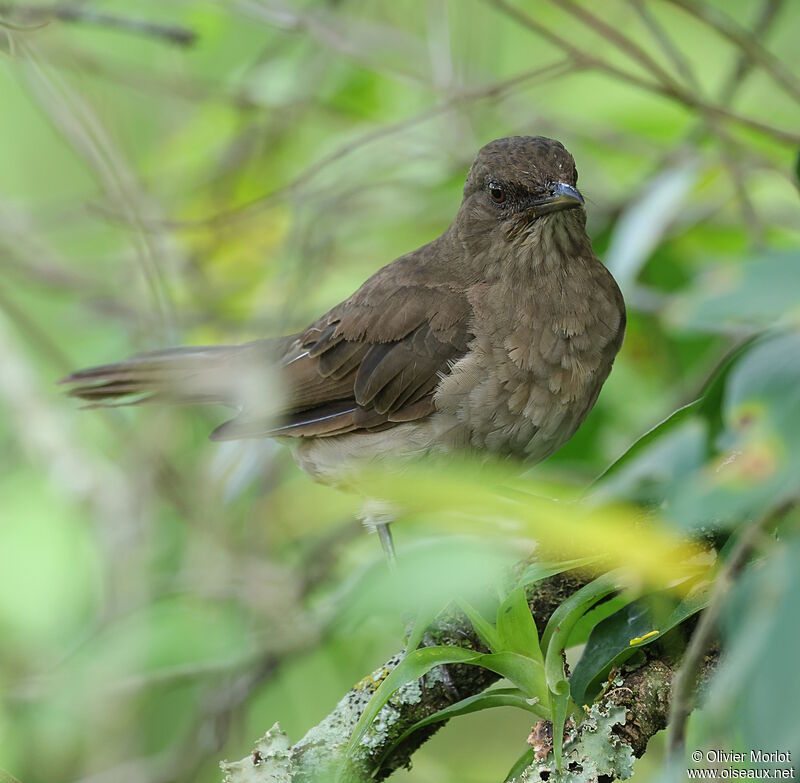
(495, 336)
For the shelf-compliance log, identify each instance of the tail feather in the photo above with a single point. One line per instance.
(216, 374)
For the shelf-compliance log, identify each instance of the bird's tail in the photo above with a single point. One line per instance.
(227, 374)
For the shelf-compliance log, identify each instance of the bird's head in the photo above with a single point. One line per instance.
(515, 182)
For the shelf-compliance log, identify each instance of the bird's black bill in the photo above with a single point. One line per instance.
(561, 196)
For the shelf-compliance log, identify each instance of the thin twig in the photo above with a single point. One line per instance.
(180, 85)
(669, 48)
(687, 97)
(745, 40)
(683, 686)
(73, 116)
(733, 154)
(79, 14)
(487, 92)
(369, 44)
(767, 15)
(619, 40)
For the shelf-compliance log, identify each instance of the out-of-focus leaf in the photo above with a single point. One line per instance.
(466, 496)
(516, 629)
(6, 777)
(609, 644)
(729, 455)
(671, 450)
(658, 432)
(431, 573)
(753, 697)
(642, 225)
(711, 400)
(674, 448)
(496, 697)
(751, 295)
(758, 452)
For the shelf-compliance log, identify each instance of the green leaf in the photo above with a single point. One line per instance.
(594, 616)
(485, 630)
(609, 644)
(497, 697)
(526, 673)
(520, 765)
(516, 629)
(573, 608)
(555, 636)
(559, 703)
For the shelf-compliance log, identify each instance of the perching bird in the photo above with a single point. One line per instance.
(495, 336)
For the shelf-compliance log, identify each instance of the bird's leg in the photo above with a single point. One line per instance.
(377, 515)
(385, 536)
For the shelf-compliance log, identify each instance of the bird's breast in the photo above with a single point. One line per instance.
(539, 357)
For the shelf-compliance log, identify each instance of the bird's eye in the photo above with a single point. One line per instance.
(496, 193)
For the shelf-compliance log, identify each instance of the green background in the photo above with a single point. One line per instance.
(163, 599)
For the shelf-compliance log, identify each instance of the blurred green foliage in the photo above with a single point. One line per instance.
(164, 600)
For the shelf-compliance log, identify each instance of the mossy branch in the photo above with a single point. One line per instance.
(632, 710)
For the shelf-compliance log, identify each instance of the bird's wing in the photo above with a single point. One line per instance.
(371, 362)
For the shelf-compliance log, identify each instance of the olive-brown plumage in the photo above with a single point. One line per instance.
(498, 336)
